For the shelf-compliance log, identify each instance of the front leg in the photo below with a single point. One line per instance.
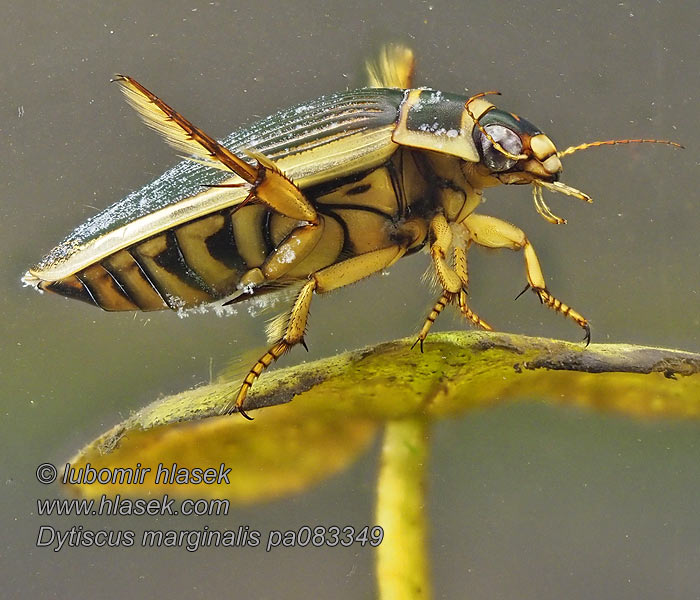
(495, 233)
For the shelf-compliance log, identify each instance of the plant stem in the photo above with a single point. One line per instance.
(402, 561)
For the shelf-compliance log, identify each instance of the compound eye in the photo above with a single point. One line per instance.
(494, 159)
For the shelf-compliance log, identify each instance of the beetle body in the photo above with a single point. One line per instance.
(311, 199)
(207, 247)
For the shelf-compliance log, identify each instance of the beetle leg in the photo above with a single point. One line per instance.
(441, 240)
(294, 334)
(442, 302)
(495, 233)
(179, 132)
(326, 280)
(356, 268)
(298, 244)
(268, 184)
(451, 282)
(460, 268)
(393, 67)
(460, 265)
(276, 190)
(441, 236)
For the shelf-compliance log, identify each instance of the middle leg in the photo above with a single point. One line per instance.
(441, 240)
(460, 263)
(453, 279)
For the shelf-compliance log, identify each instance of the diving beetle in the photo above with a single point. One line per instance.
(311, 199)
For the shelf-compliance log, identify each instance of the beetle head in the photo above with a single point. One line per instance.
(514, 150)
(517, 152)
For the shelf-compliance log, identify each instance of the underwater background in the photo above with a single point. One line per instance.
(526, 501)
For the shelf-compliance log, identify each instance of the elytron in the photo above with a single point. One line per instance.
(314, 198)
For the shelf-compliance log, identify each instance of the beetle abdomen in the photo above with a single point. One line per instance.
(209, 258)
(179, 268)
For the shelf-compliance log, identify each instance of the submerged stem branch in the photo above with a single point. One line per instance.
(402, 561)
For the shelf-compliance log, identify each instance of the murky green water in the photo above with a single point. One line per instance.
(526, 502)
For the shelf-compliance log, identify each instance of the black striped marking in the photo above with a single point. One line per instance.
(70, 287)
(360, 189)
(151, 280)
(173, 261)
(105, 289)
(137, 286)
(222, 246)
(160, 257)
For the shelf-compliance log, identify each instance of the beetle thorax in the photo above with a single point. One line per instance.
(456, 194)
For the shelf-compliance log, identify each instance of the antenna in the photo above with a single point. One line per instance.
(572, 149)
